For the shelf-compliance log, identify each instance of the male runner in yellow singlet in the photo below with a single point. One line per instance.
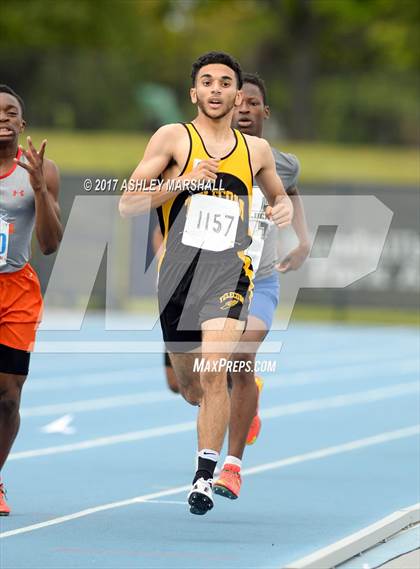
(205, 280)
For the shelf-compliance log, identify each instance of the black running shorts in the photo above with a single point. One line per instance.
(192, 293)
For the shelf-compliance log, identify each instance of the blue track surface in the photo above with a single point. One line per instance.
(333, 386)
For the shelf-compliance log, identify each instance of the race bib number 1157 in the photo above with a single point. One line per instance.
(211, 223)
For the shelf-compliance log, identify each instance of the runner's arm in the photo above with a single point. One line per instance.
(299, 220)
(157, 156)
(281, 210)
(45, 181)
(48, 228)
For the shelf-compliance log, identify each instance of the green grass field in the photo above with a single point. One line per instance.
(118, 153)
(315, 313)
(356, 315)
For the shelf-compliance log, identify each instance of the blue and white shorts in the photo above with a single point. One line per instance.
(265, 298)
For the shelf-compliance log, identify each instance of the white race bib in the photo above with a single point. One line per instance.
(211, 223)
(258, 225)
(4, 241)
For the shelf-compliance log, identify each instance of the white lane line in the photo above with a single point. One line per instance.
(95, 510)
(360, 397)
(356, 543)
(107, 441)
(297, 459)
(336, 401)
(130, 400)
(337, 449)
(158, 396)
(94, 379)
(341, 374)
(144, 398)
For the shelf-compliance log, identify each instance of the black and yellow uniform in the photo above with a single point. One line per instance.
(196, 284)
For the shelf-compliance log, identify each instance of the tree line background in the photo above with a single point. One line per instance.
(336, 70)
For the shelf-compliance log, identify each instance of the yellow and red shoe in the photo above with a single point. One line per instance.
(255, 428)
(4, 508)
(229, 482)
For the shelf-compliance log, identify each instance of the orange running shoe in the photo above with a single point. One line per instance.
(4, 508)
(255, 428)
(229, 482)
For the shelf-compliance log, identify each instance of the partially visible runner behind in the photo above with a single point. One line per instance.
(29, 187)
(205, 280)
(245, 423)
(249, 118)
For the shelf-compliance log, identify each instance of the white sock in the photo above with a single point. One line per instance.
(233, 460)
(209, 454)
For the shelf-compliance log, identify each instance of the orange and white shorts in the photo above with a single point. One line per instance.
(20, 308)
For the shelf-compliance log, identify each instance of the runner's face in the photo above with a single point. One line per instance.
(249, 116)
(11, 122)
(216, 90)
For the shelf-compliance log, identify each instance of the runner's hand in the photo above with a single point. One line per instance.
(34, 166)
(294, 260)
(281, 213)
(205, 170)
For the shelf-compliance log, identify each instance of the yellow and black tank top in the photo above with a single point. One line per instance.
(234, 182)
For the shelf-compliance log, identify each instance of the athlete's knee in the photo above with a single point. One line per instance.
(242, 380)
(242, 373)
(9, 407)
(192, 395)
(9, 398)
(213, 381)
